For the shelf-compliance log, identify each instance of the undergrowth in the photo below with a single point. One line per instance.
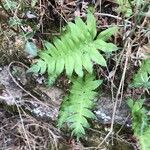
(141, 78)
(140, 123)
(140, 119)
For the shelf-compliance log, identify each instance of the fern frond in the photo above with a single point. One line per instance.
(141, 79)
(75, 109)
(76, 49)
(140, 123)
(139, 117)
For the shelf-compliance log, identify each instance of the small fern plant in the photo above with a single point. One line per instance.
(142, 77)
(77, 106)
(140, 123)
(75, 52)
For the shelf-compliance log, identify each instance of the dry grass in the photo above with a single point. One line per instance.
(23, 132)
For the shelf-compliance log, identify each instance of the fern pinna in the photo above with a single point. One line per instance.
(75, 49)
(76, 107)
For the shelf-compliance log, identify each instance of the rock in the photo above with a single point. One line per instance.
(104, 111)
(46, 105)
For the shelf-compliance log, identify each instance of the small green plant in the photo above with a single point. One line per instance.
(141, 78)
(77, 106)
(76, 51)
(139, 117)
(140, 123)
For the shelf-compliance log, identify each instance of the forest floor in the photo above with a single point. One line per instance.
(29, 109)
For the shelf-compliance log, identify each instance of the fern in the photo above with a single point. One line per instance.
(139, 117)
(144, 140)
(141, 79)
(76, 108)
(140, 124)
(75, 50)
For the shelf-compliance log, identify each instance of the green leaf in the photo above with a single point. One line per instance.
(105, 47)
(144, 143)
(51, 49)
(97, 57)
(43, 66)
(76, 31)
(78, 64)
(59, 66)
(91, 24)
(142, 77)
(34, 68)
(87, 63)
(87, 113)
(14, 22)
(84, 30)
(130, 103)
(44, 56)
(9, 4)
(51, 67)
(106, 34)
(75, 50)
(51, 79)
(78, 131)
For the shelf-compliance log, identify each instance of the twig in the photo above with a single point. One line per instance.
(22, 123)
(120, 91)
(116, 17)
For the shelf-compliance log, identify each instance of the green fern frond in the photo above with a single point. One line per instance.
(76, 49)
(141, 79)
(140, 123)
(75, 109)
(144, 140)
(139, 116)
